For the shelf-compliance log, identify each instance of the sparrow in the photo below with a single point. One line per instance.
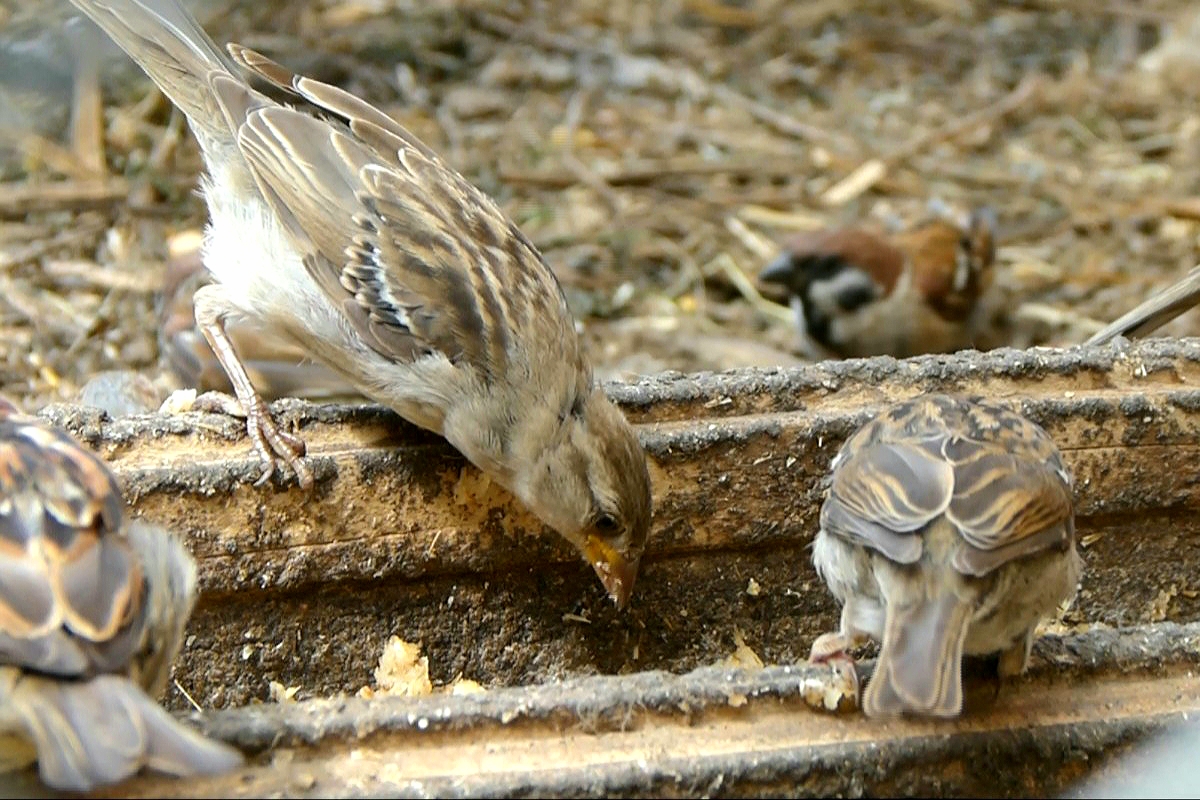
(948, 528)
(1156, 311)
(92, 614)
(856, 293)
(351, 238)
(277, 368)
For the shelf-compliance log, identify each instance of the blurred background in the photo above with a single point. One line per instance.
(657, 151)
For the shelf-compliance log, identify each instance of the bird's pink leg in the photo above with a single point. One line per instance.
(272, 444)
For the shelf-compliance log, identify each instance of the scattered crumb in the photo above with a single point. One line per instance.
(1160, 606)
(753, 588)
(179, 401)
(835, 691)
(742, 655)
(1054, 627)
(278, 693)
(404, 672)
(461, 685)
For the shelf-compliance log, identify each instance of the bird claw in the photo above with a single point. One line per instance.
(273, 445)
(831, 649)
(219, 403)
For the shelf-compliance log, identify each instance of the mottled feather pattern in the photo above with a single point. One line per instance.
(948, 528)
(92, 613)
(859, 293)
(818, 255)
(333, 224)
(952, 267)
(941, 454)
(417, 223)
(63, 558)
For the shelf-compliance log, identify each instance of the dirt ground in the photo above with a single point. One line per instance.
(656, 150)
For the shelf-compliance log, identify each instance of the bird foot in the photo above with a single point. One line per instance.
(832, 649)
(273, 445)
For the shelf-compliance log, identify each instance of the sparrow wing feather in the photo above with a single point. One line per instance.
(419, 260)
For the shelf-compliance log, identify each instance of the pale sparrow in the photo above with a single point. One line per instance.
(354, 240)
(277, 367)
(857, 293)
(948, 529)
(92, 614)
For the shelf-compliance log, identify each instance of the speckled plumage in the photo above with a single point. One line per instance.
(92, 613)
(948, 529)
(857, 293)
(355, 242)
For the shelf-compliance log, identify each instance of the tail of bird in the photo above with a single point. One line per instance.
(96, 732)
(170, 46)
(919, 669)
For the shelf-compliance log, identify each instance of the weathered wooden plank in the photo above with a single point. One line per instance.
(401, 536)
(715, 731)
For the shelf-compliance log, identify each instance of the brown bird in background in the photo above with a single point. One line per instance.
(92, 615)
(355, 241)
(857, 293)
(948, 529)
(1158, 310)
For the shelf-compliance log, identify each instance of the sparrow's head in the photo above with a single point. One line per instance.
(832, 274)
(590, 483)
(952, 261)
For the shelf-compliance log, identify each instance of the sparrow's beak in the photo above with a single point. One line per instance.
(778, 271)
(616, 572)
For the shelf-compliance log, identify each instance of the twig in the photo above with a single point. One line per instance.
(871, 171)
(788, 220)
(1019, 96)
(642, 71)
(725, 265)
(1184, 209)
(98, 277)
(757, 244)
(588, 177)
(781, 122)
(187, 696)
(653, 172)
(17, 200)
(726, 16)
(82, 232)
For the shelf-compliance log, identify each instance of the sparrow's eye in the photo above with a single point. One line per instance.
(607, 525)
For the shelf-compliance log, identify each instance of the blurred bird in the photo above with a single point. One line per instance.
(948, 529)
(1158, 310)
(857, 294)
(355, 241)
(92, 614)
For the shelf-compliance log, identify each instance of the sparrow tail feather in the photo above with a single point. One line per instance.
(100, 731)
(920, 662)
